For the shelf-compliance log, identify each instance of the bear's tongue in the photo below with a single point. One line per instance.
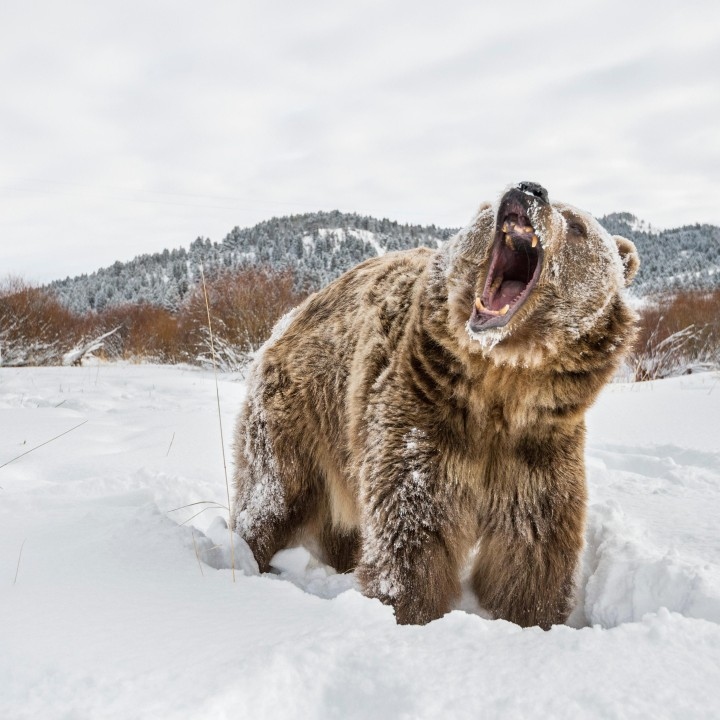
(506, 293)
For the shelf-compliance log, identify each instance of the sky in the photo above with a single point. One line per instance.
(128, 127)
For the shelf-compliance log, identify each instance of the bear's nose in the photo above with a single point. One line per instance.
(534, 189)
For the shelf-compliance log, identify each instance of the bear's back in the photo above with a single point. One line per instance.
(337, 343)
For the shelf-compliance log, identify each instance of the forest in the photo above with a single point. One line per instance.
(216, 302)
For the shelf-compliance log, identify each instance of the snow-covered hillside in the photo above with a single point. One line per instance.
(111, 608)
(319, 247)
(316, 247)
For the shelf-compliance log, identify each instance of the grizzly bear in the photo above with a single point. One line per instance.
(427, 408)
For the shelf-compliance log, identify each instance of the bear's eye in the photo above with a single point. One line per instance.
(577, 228)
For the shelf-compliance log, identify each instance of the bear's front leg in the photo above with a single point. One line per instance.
(527, 583)
(412, 547)
(532, 540)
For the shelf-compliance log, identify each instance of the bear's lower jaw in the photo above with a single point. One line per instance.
(515, 266)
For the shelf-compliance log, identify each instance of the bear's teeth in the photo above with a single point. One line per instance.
(496, 283)
(481, 308)
(509, 242)
(534, 240)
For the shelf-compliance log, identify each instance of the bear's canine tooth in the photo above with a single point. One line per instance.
(505, 228)
(534, 240)
(481, 308)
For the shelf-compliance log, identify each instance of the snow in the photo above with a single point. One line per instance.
(637, 225)
(120, 611)
(338, 235)
(369, 237)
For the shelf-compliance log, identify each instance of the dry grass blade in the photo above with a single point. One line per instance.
(222, 440)
(17, 568)
(170, 445)
(197, 556)
(185, 522)
(210, 549)
(27, 452)
(200, 502)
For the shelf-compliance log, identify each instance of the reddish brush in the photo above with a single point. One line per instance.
(36, 329)
(678, 334)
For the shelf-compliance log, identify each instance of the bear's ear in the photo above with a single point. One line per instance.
(629, 256)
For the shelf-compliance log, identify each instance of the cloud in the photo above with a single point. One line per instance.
(130, 127)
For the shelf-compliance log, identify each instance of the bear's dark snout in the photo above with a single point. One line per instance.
(535, 189)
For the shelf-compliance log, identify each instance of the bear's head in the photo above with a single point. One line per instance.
(530, 277)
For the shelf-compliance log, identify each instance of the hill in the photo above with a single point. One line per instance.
(319, 247)
(684, 258)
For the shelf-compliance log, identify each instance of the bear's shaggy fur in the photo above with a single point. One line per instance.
(431, 403)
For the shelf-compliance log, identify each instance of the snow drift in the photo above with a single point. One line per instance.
(113, 606)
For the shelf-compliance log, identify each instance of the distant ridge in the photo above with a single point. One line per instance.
(319, 247)
(683, 258)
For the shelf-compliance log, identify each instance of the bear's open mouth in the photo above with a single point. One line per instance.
(515, 264)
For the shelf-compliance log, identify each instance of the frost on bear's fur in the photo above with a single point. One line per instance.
(427, 404)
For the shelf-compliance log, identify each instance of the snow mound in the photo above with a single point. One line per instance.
(629, 577)
(118, 600)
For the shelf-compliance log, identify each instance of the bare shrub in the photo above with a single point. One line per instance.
(147, 332)
(35, 329)
(679, 334)
(244, 306)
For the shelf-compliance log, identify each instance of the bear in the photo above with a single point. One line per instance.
(426, 410)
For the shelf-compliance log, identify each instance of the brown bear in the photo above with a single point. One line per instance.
(430, 404)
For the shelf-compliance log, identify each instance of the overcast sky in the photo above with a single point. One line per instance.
(127, 127)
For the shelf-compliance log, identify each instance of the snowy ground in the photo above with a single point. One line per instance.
(112, 616)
